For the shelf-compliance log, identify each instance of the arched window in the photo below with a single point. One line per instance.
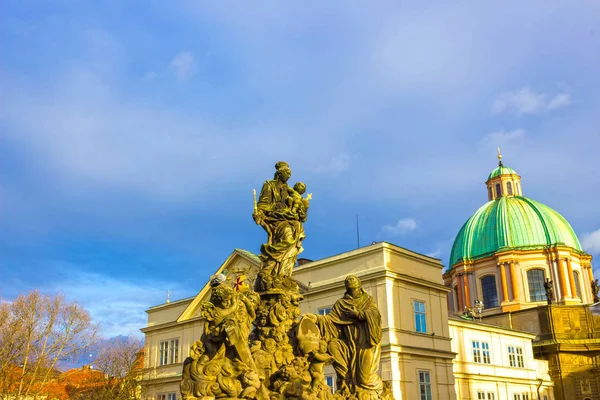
(577, 287)
(498, 190)
(488, 289)
(535, 279)
(490, 197)
(509, 188)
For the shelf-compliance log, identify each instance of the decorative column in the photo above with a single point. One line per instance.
(590, 273)
(514, 280)
(466, 288)
(503, 282)
(571, 277)
(561, 277)
(459, 300)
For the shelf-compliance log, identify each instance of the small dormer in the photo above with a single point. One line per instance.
(503, 181)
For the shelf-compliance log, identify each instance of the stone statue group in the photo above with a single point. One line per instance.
(255, 343)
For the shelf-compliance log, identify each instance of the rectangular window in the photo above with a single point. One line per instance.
(330, 380)
(476, 351)
(425, 385)
(172, 396)
(486, 396)
(323, 310)
(169, 353)
(420, 316)
(515, 357)
(481, 352)
(167, 396)
(521, 396)
(485, 349)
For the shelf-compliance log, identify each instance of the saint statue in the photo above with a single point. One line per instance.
(353, 330)
(549, 288)
(280, 210)
(595, 289)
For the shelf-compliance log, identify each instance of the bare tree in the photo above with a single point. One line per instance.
(121, 362)
(36, 332)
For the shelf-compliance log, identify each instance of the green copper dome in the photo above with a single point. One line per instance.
(511, 222)
(502, 170)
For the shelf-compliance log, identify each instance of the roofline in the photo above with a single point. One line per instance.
(170, 304)
(453, 319)
(366, 250)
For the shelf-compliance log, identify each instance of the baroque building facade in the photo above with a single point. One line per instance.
(523, 260)
(420, 356)
(496, 363)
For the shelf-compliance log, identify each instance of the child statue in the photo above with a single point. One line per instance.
(318, 359)
(296, 202)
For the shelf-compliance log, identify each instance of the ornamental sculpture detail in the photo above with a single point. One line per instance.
(255, 343)
(281, 211)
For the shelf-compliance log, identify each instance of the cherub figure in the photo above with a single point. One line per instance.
(251, 382)
(284, 355)
(296, 201)
(301, 366)
(318, 358)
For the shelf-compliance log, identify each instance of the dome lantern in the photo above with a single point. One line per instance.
(503, 181)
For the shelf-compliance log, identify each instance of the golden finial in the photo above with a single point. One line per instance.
(168, 297)
(499, 157)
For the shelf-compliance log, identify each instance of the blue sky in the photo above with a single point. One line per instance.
(132, 133)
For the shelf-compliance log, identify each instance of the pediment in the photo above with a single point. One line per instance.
(241, 266)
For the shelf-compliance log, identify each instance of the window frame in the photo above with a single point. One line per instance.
(166, 396)
(483, 290)
(324, 310)
(425, 392)
(509, 189)
(480, 351)
(170, 353)
(516, 358)
(486, 395)
(535, 288)
(332, 387)
(420, 317)
(498, 190)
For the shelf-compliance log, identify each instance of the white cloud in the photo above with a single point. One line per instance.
(591, 242)
(184, 65)
(402, 227)
(527, 101)
(503, 138)
(559, 101)
(118, 306)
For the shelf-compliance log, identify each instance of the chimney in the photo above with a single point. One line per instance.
(302, 261)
